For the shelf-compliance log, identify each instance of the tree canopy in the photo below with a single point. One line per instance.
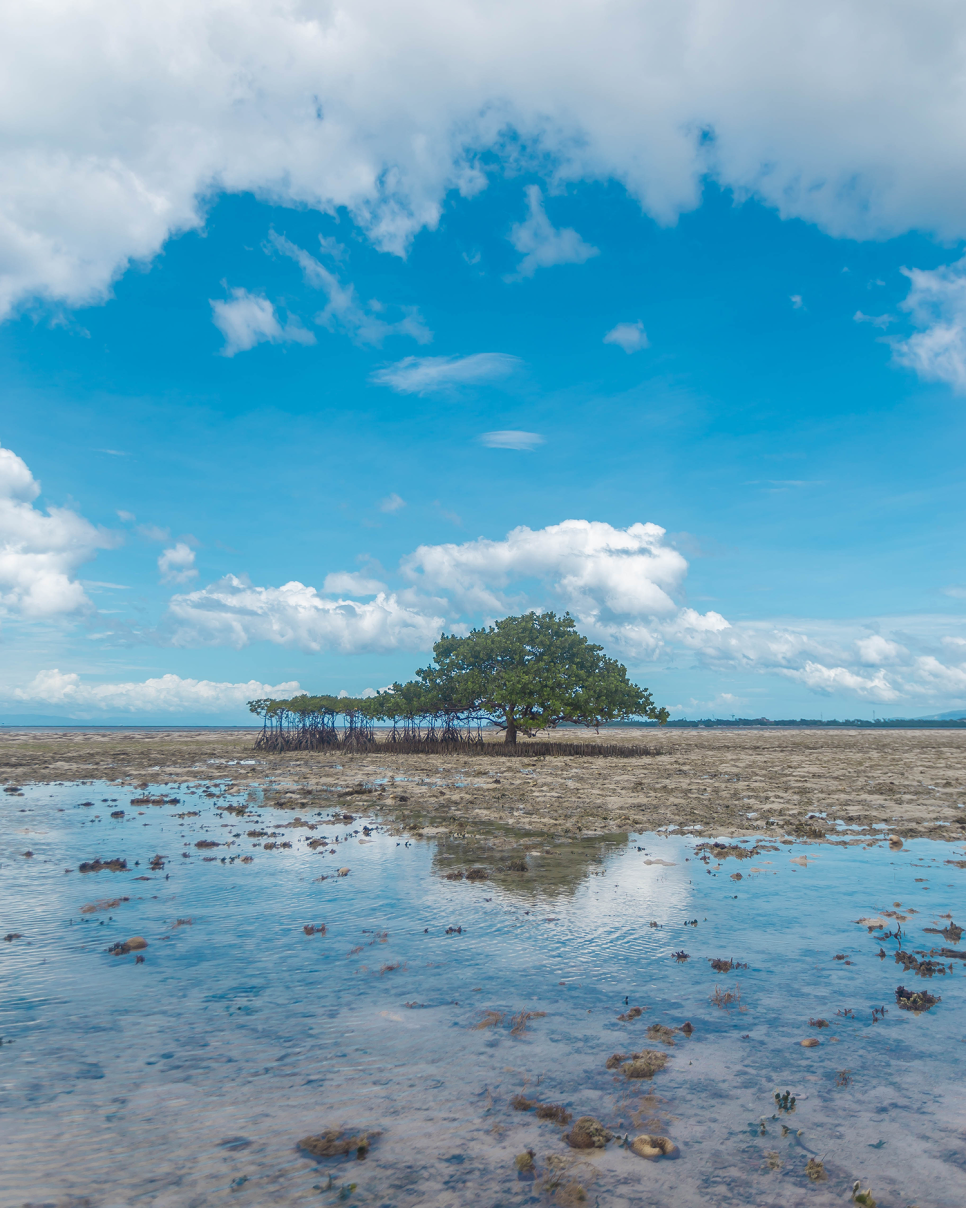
(531, 673)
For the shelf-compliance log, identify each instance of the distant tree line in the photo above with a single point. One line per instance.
(523, 674)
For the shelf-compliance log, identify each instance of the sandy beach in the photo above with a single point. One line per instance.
(729, 782)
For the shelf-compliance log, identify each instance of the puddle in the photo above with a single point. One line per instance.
(396, 1010)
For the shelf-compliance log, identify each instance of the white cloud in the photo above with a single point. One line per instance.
(936, 303)
(589, 566)
(511, 439)
(343, 311)
(152, 532)
(40, 552)
(392, 503)
(882, 321)
(177, 565)
(234, 613)
(796, 301)
(249, 319)
(435, 375)
(345, 582)
(165, 694)
(630, 336)
(878, 650)
(544, 245)
(124, 118)
(840, 679)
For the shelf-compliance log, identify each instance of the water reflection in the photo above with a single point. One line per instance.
(524, 863)
(427, 1005)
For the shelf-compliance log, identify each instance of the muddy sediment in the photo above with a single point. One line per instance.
(773, 783)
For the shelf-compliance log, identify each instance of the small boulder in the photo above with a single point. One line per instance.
(135, 944)
(810, 1042)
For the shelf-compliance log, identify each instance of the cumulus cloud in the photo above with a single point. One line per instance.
(440, 375)
(589, 566)
(248, 319)
(343, 310)
(345, 582)
(124, 118)
(511, 439)
(630, 336)
(164, 694)
(41, 551)
(936, 304)
(177, 565)
(234, 613)
(542, 244)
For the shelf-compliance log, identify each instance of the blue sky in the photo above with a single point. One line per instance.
(401, 415)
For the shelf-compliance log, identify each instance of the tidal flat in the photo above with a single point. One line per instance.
(803, 782)
(407, 980)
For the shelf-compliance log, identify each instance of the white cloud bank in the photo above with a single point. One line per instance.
(41, 552)
(122, 117)
(234, 613)
(165, 694)
(625, 587)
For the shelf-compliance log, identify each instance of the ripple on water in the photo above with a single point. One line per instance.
(429, 1003)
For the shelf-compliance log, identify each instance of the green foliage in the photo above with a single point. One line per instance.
(524, 674)
(532, 673)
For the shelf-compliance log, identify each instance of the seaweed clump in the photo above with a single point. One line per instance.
(642, 1065)
(588, 1133)
(99, 865)
(337, 1143)
(916, 1001)
(815, 1170)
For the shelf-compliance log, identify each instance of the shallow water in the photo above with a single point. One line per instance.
(189, 1078)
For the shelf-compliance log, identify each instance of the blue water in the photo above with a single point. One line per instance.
(188, 1079)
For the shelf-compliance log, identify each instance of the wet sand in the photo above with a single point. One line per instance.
(726, 782)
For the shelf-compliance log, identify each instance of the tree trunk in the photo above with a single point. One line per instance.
(511, 730)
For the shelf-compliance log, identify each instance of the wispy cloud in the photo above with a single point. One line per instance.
(343, 310)
(177, 564)
(392, 503)
(937, 304)
(630, 336)
(247, 319)
(542, 244)
(876, 320)
(437, 375)
(511, 440)
(152, 532)
(796, 301)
